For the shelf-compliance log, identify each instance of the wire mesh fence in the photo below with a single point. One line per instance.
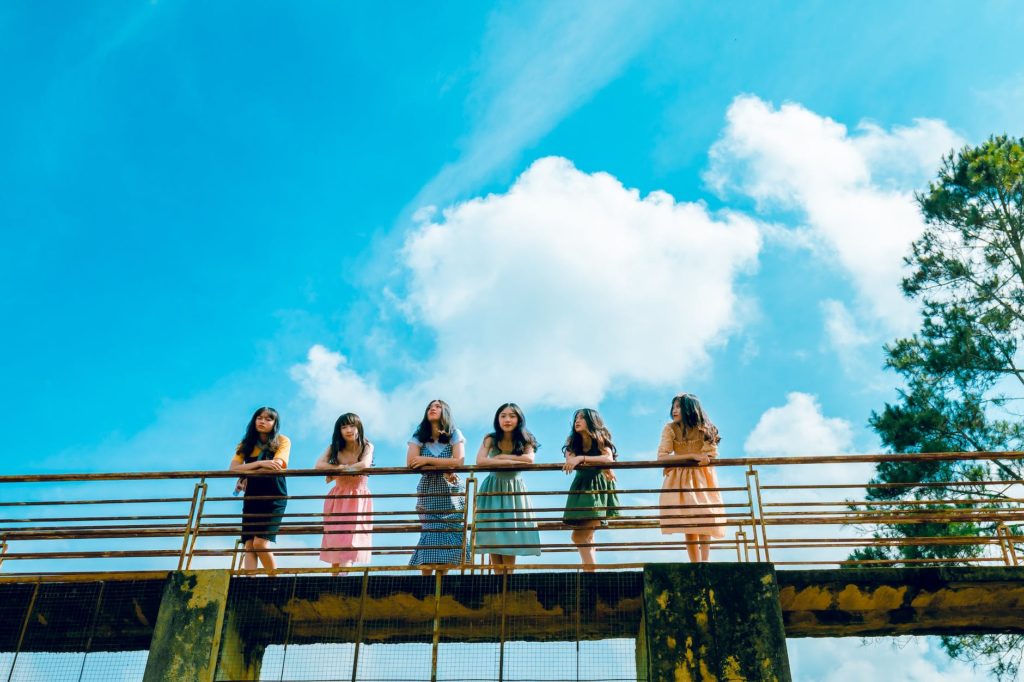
(98, 630)
(375, 628)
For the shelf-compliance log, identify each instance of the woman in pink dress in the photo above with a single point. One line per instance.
(690, 502)
(348, 509)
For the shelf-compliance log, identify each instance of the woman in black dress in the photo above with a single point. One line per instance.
(262, 449)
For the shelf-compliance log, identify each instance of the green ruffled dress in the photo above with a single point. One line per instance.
(592, 495)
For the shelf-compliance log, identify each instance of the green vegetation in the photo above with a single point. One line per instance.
(963, 372)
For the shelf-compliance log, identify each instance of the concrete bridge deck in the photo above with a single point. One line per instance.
(243, 615)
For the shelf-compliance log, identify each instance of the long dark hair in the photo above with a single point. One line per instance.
(252, 437)
(520, 436)
(445, 425)
(599, 434)
(693, 416)
(338, 442)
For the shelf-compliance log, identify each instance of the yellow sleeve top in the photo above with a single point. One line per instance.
(284, 448)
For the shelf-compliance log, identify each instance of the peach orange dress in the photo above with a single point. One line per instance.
(690, 489)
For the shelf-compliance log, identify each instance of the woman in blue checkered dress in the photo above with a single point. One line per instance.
(441, 497)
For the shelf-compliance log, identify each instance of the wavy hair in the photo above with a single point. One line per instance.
(445, 425)
(338, 441)
(521, 437)
(598, 432)
(693, 416)
(252, 437)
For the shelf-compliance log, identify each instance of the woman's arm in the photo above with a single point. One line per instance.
(237, 464)
(665, 447)
(605, 457)
(413, 457)
(481, 454)
(322, 462)
(363, 462)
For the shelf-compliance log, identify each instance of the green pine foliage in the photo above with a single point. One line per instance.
(963, 371)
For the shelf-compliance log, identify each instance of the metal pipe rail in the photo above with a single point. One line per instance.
(776, 509)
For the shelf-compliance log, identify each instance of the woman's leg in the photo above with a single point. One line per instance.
(248, 557)
(705, 547)
(266, 557)
(584, 535)
(502, 563)
(693, 548)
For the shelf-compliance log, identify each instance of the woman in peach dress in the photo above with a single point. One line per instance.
(690, 502)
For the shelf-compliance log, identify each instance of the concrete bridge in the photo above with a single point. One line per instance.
(716, 621)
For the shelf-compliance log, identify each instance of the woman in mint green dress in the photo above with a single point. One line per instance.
(592, 496)
(504, 521)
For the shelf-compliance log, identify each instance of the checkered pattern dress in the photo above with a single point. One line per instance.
(441, 506)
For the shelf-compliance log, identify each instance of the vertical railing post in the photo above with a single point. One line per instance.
(753, 511)
(1002, 543)
(501, 631)
(466, 528)
(757, 513)
(188, 527)
(360, 623)
(3, 551)
(24, 629)
(198, 521)
(436, 637)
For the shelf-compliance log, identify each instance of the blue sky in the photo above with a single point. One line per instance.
(340, 206)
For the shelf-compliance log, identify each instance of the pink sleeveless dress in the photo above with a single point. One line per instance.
(348, 522)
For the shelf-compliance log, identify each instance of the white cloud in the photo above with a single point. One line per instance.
(536, 67)
(335, 388)
(799, 428)
(854, 190)
(565, 287)
(913, 659)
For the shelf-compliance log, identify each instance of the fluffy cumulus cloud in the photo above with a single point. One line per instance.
(852, 191)
(799, 428)
(565, 287)
(914, 659)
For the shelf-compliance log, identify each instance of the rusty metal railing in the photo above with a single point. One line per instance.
(790, 510)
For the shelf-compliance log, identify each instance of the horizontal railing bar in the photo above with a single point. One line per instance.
(648, 464)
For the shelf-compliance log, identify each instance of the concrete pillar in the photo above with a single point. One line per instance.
(240, 658)
(188, 627)
(712, 622)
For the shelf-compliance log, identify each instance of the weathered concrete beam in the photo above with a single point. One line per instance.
(862, 602)
(712, 622)
(120, 615)
(188, 628)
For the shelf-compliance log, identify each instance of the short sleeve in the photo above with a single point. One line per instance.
(457, 437)
(415, 441)
(237, 458)
(665, 447)
(284, 449)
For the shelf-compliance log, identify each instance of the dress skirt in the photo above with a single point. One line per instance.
(504, 516)
(592, 496)
(262, 518)
(698, 510)
(441, 506)
(348, 522)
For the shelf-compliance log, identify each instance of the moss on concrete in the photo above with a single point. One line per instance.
(188, 627)
(712, 622)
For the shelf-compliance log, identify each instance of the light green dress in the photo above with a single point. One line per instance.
(504, 515)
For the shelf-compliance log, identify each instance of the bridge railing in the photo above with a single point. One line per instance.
(794, 511)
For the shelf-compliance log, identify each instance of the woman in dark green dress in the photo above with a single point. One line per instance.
(592, 498)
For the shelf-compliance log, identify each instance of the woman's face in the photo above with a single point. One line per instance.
(677, 412)
(434, 411)
(264, 422)
(349, 432)
(508, 420)
(579, 425)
